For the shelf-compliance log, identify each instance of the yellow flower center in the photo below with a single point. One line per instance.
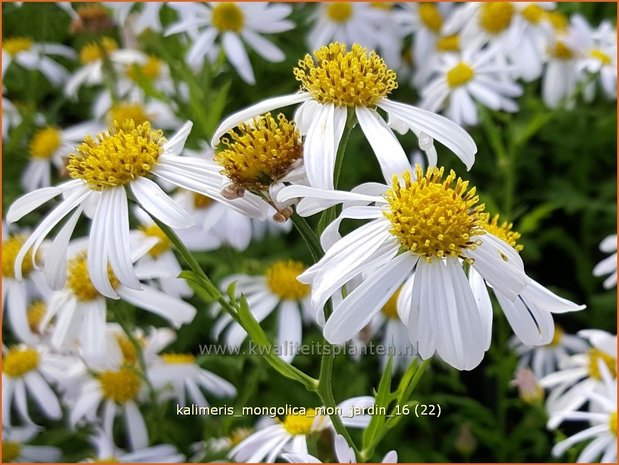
(177, 359)
(448, 43)
(557, 20)
(122, 112)
(282, 280)
(10, 451)
(300, 424)
(110, 459)
(595, 355)
(502, 231)
(95, 51)
(201, 201)
(557, 337)
(345, 78)
(127, 349)
(390, 309)
(35, 314)
(533, 13)
(431, 16)
(227, 17)
(120, 386)
(149, 70)
(495, 17)
(78, 279)
(20, 360)
(387, 6)
(561, 51)
(118, 156)
(10, 249)
(339, 12)
(433, 217)
(14, 45)
(45, 142)
(254, 155)
(460, 75)
(164, 243)
(612, 422)
(601, 56)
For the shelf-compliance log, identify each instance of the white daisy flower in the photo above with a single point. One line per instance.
(34, 56)
(467, 78)
(106, 451)
(27, 368)
(178, 375)
(15, 447)
(290, 435)
(561, 75)
(580, 374)
(235, 24)
(544, 360)
(220, 444)
(278, 289)
(146, 16)
(102, 169)
(10, 117)
(603, 425)
(80, 310)
(608, 266)
(424, 253)
(343, 453)
(49, 146)
(121, 351)
(337, 81)
(160, 114)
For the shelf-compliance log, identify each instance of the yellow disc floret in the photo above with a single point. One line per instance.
(432, 216)
(20, 360)
(164, 243)
(256, 154)
(561, 51)
(35, 314)
(11, 450)
(390, 309)
(78, 279)
(459, 75)
(601, 56)
(44, 143)
(118, 156)
(346, 78)
(95, 51)
(495, 17)
(14, 45)
(339, 12)
(201, 201)
(10, 249)
(120, 386)
(595, 356)
(282, 280)
(557, 20)
(127, 349)
(431, 16)
(227, 17)
(300, 424)
(533, 13)
(123, 112)
(178, 359)
(448, 43)
(612, 422)
(557, 336)
(148, 70)
(502, 230)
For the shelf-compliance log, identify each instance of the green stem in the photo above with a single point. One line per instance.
(308, 235)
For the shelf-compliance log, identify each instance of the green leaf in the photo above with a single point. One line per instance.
(531, 221)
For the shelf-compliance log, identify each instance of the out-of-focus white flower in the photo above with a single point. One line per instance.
(337, 81)
(10, 117)
(343, 452)
(34, 56)
(278, 289)
(49, 146)
(467, 78)
(543, 360)
(15, 447)
(234, 24)
(561, 75)
(609, 264)
(106, 451)
(136, 15)
(290, 435)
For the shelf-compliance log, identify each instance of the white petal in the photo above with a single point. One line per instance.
(155, 201)
(43, 395)
(263, 47)
(137, 433)
(56, 257)
(289, 329)
(175, 144)
(236, 53)
(99, 246)
(176, 311)
(321, 144)
(532, 326)
(484, 304)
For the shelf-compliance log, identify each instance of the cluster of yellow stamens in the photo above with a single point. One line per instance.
(11, 450)
(339, 12)
(502, 230)
(122, 112)
(178, 359)
(346, 78)
(148, 70)
(118, 156)
(120, 386)
(432, 216)
(256, 154)
(20, 360)
(78, 279)
(300, 424)
(533, 13)
(95, 51)
(459, 75)
(557, 20)
(14, 45)
(282, 280)
(10, 249)
(164, 243)
(430, 16)
(227, 17)
(561, 51)
(448, 43)
(45, 142)
(612, 422)
(35, 314)
(601, 56)
(127, 349)
(495, 17)
(595, 356)
(390, 309)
